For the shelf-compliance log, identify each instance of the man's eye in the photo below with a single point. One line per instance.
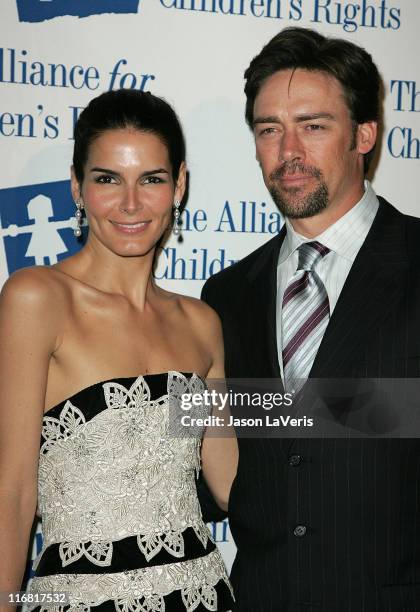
(268, 130)
(314, 127)
(105, 179)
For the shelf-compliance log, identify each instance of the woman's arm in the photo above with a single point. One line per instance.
(28, 326)
(219, 452)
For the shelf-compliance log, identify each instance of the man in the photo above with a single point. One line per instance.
(323, 525)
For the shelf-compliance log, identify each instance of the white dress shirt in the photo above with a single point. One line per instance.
(344, 239)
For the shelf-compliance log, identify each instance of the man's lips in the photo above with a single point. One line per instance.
(292, 179)
(294, 172)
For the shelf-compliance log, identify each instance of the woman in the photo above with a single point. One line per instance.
(94, 361)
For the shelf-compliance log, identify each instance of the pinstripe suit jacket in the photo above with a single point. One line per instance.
(358, 499)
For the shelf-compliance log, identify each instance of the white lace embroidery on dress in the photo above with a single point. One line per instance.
(143, 589)
(124, 472)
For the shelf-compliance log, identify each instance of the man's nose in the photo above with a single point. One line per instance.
(291, 148)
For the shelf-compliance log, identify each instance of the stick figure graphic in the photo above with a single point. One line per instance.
(45, 241)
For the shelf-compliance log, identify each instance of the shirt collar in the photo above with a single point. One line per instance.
(345, 236)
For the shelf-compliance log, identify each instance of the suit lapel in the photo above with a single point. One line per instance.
(374, 285)
(261, 309)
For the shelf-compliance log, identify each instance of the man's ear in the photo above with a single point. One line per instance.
(366, 136)
(256, 155)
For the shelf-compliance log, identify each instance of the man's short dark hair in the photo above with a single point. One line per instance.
(304, 48)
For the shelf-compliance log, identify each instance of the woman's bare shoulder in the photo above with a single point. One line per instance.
(201, 316)
(35, 286)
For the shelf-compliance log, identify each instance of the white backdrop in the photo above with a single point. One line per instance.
(193, 53)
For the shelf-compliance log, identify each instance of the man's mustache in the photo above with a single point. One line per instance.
(290, 168)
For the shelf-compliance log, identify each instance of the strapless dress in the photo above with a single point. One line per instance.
(121, 521)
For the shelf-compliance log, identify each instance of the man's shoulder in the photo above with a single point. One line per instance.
(412, 236)
(411, 223)
(234, 274)
(395, 211)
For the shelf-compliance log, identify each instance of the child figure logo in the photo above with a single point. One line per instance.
(45, 242)
(40, 10)
(36, 225)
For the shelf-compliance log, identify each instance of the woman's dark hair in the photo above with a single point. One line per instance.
(128, 108)
(304, 48)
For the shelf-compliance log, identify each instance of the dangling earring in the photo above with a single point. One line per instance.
(177, 218)
(78, 215)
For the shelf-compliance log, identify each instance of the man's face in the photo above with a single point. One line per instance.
(310, 151)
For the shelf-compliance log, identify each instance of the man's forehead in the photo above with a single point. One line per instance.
(294, 80)
(298, 86)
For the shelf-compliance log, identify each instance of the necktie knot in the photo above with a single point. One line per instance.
(309, 255)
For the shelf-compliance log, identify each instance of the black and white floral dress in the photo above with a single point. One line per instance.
(122, 527)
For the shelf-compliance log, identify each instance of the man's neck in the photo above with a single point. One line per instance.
(314, 226)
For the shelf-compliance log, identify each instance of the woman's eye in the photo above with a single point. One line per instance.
(105, 179)
(152, 180)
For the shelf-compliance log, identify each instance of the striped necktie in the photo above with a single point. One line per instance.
(305, 316)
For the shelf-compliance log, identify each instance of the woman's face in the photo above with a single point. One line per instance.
(128, 190)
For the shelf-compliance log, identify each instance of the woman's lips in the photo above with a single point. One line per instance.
(131, 228)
